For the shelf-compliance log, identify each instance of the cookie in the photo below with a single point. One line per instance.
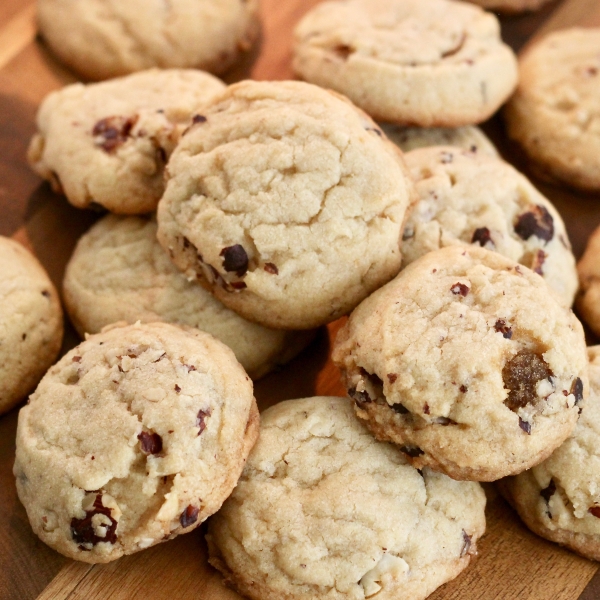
(100, 39)
(553, 114)
(135, 436)
(323, 510)
(119, 272)
(429, 63)
(31, 323)
(287, 202)
(510, 6)
(468, 361)
(470, 198)
(559, 499)
(468, 137)
(107, 143)
(588, 298)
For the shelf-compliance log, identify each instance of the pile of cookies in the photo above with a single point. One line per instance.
(244, 217)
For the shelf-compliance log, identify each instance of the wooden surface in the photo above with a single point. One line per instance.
(512, 564)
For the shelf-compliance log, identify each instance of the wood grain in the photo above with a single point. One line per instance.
(17, 34)
(512, 564)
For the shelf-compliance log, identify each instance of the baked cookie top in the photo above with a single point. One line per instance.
(468, 361)
(352, 519)
(555, 112)
(588, 268)
(431, 63)
(107, 143)
(287, 201)
(119, 272)
(560, 498)
(31, 323)
(468, 137)
(101, 39)
(470, 198)
(135, 436)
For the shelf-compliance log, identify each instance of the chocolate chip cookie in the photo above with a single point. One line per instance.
(323, 510)
(106, 144)
(468, 361)
(588, 267)
(135, 436)
(554, 113)
(466, 197)
(119, 272)
(100, 39)
(430, 63)
(287, 202)
(31, 323)
(559, 499)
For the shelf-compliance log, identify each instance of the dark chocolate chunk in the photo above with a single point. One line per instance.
(577, 390)
(520, 376)
(408, 233)
(412, 451)
(343, 51)
(538, 221)
(189, 516)
(235, 259)
(177, 389)
(525, 426)
(271, 268)
(466, 543)
(594, 510)
(501, 327)
(201, 419)
(359, 397)
(113, 132)
(151, 442)
(426, 409)
(83, 531)
(464, 389)
(548, 492)
(482, 236)
(199, 119)
(460, 289)
(392, 377)
(537, 263)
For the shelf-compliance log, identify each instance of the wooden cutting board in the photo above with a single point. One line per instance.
(512, 562)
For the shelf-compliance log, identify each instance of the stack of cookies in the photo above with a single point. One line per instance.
(245, 217)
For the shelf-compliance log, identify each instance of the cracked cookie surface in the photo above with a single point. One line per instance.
(431, 63)
(323, 510)
(107, 143)
(559, 499)
(100, 39)
(555, 112)
(135, 436)
(119, 272)
(469, 198)
(468, 361)
(287, 201)
(31, 323)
